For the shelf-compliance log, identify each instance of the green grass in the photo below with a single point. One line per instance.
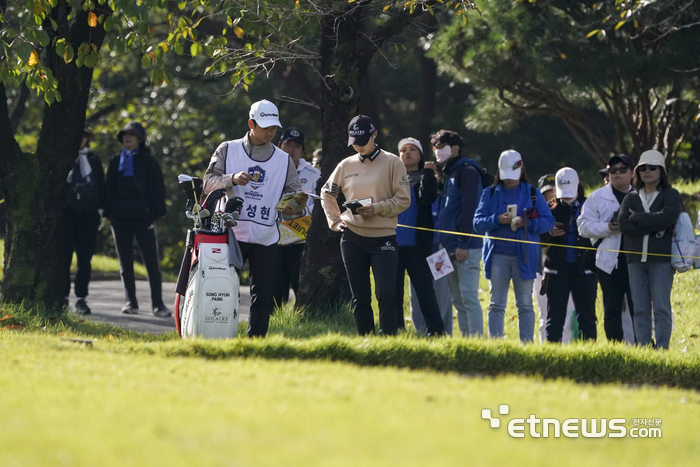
(111, 404)
(589, 362)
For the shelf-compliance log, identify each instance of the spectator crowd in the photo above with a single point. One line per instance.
(546, 240)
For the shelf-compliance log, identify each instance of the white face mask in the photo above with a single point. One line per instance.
(443, 154)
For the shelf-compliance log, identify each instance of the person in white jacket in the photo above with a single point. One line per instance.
(598, 221)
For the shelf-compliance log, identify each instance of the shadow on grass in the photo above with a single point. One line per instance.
(331, 336)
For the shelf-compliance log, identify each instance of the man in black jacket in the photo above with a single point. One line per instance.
(85, 189)
(135, 199)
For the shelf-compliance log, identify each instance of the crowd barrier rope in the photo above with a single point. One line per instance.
(532, 242)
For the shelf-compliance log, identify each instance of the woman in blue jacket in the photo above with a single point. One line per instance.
(506, 260)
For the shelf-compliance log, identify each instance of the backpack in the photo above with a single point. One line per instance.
(82, 194)
(486, 178)
(683, 244)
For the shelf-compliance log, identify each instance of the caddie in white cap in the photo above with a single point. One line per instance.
(255, 170)
(265, 114)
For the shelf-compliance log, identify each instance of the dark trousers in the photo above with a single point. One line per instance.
(583, 289)
(412, 260)
(286, 270)
(80, 235)
(359, 254)
(124, 233)
(615, 286)
(260, 258)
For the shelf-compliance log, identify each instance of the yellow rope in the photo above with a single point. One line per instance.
(545, 244)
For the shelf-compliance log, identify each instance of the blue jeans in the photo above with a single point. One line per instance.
(651, 285)
(442, 294)
(464, 288)
(503, 269)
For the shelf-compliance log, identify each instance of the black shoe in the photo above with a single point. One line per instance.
(82, 307)
(130, 309)
(161, 311)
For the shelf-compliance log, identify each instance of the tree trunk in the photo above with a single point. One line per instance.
(34, 184)
(322, 267)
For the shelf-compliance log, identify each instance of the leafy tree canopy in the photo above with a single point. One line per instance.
(622, 75)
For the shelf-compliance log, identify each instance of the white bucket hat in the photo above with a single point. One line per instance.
(652, 157)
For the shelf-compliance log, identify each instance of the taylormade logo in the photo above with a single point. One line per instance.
(572, 427)
(263, 114)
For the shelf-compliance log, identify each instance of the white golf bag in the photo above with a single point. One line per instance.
(211, 303)
(207, 296)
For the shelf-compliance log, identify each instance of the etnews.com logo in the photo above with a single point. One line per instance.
(574, 427)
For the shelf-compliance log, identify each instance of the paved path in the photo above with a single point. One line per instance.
(107, 298)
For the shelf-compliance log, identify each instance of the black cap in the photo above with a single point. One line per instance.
(546, 183)
(293, 134)
(134, 128)
(360, 130)
(624, 158)
(604, 172)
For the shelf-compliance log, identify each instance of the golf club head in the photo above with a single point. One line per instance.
(228, 219)
(234, 204)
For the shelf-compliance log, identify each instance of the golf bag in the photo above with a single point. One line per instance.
(207, 296)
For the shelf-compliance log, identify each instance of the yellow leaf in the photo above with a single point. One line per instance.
(620, 24)
(33, 58)
(92, 19)
(592, 33)
(563, 56)
(239, 32)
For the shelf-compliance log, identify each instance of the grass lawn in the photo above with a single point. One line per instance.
(68, 404)
(313, 393)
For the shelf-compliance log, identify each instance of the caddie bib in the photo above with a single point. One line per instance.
(258, 221)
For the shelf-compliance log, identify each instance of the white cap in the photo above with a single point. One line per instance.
(510, 164)
(567, 183)
(652, 157)
(265, 114)
(412, 141)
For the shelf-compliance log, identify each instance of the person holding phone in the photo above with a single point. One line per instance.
(566, 271)
(508, 258)
(599, 223)
(377, 187)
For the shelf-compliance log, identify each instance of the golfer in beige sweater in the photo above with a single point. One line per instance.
(376, 187)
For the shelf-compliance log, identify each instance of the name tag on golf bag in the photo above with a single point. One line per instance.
(211, 308)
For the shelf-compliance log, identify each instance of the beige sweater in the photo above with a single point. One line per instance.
(383, 179)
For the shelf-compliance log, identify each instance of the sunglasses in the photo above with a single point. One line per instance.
(614, 170)
(650, 168)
